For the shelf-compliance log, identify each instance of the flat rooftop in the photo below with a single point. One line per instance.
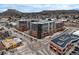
(42, 22)
(64, 39)
(30, 19)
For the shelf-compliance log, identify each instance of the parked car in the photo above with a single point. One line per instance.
(73, 52)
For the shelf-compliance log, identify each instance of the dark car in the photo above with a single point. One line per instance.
(76, 49)
(70, 54)
(73, 52)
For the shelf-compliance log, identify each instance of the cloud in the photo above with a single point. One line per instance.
(38, 7)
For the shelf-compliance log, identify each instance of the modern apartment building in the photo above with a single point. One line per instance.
(24, 24)
(42, 28)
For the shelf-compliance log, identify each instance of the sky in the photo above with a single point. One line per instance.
(38, 7)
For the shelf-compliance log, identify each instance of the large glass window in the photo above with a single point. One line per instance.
(23, 23)
(34, 27)
(51, 26)
(45, 27)
(28, 25)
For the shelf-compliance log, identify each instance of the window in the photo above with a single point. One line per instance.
(51, 26)
(34, 27)
(45, 27)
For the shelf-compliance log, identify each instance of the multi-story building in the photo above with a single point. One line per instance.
(59, 26)
(46, 27)
(24, 24)
(62, 43)
(42, 28)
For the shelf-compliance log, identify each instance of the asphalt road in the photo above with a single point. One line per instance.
(41, 51)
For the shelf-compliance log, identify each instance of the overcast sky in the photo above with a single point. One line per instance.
(38, 7)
